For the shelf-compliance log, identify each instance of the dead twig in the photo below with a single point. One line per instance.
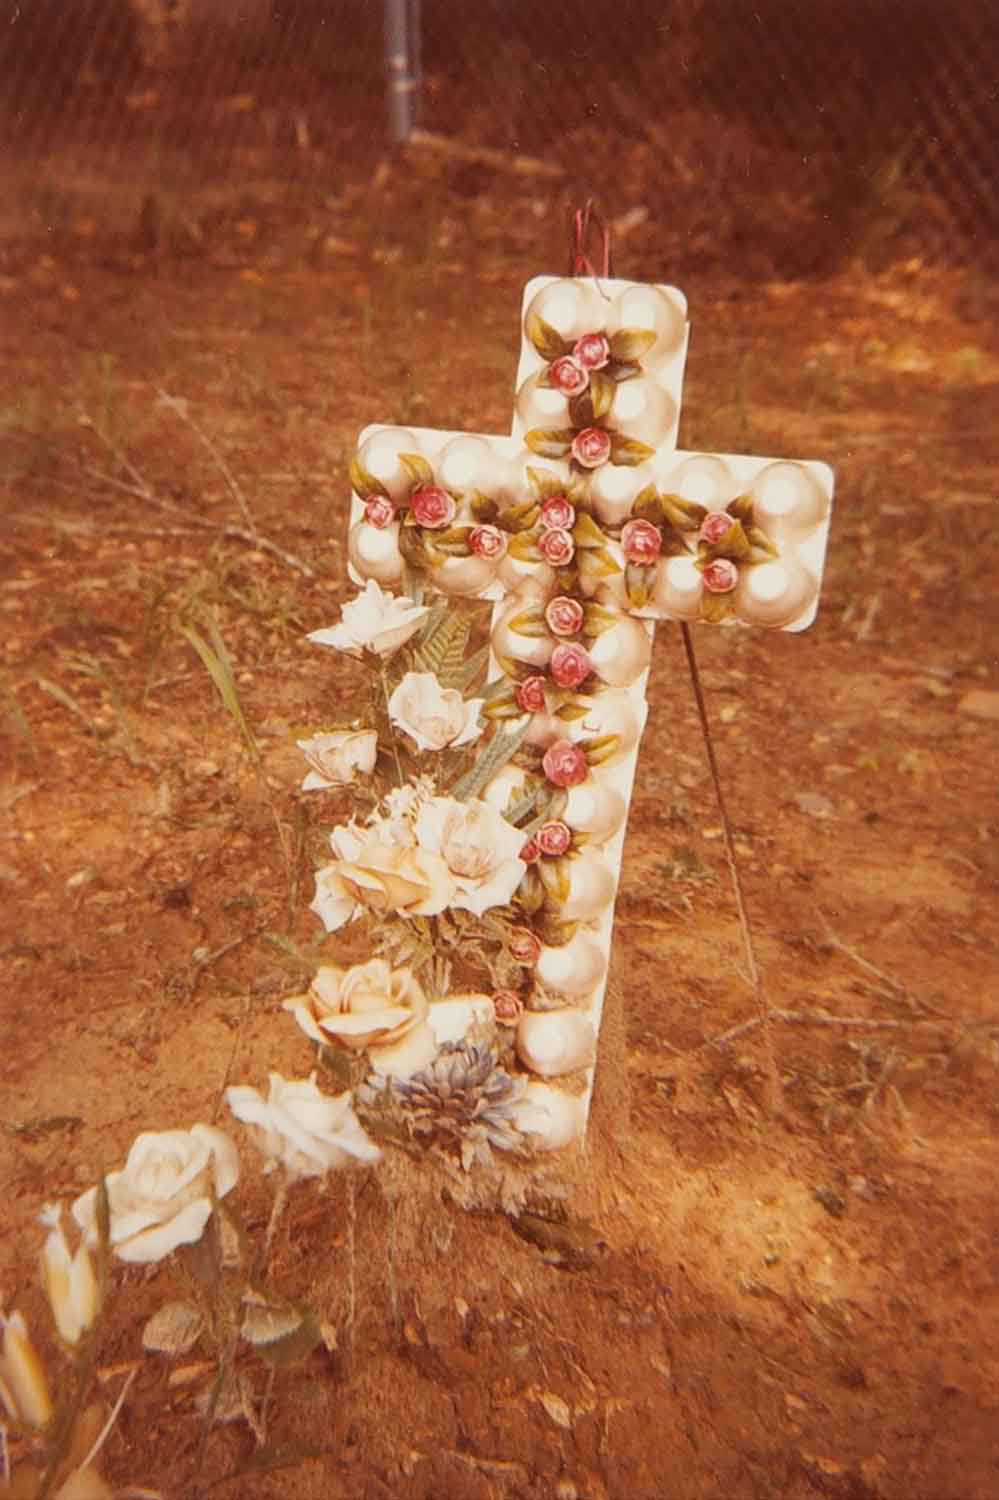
(142, 490)
(178, 406)
(502, 161)
(870, 1023)
(192, 526)
(895, 985)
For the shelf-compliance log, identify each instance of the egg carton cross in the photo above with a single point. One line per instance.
(498, 767)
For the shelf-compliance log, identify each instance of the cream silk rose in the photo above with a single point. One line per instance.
(432, 716)
(335, 759)
(376, 871)
(479, 848)
(300, 1128)
(374, 621)
(162, 1197)
(369, 1007)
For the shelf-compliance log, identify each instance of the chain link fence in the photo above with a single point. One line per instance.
(773, 135)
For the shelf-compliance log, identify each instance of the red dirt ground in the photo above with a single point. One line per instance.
(785, 1307)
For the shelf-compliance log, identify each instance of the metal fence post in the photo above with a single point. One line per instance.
(402, 66)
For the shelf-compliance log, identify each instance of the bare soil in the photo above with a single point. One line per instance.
(786, 1306)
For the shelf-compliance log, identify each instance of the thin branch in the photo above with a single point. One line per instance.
(867, 1023)
(192, 525)
(774, 1089)
(101, 1438)
(179, 408)
(895, 985)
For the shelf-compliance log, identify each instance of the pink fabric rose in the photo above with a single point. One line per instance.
(591, 447)
(508, 1007)
(565, 765)
(641, 542)
(379, 512)
(432, 506)
(564, 616)
(557, 547)
(721, 576)
(568, 376)
(592, 351)
(715, 527)
(554, 838)
(530, 853)
(570, 665)
(558, 514)
(530, 695)
(525, 945)
(487, 541)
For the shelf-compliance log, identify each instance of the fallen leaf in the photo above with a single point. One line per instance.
(556, 1408)
(173, 1330)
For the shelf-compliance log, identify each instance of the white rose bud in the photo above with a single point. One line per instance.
(336, 758)
(23, 1387)
(69, 1280)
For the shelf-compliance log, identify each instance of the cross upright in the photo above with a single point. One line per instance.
(583, 528)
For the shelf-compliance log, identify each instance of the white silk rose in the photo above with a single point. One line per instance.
(162, 1197)
(374, 621)
(300, 1128)
(335, 759)
(434, 716)
(377, 871)
(479, 848)
(369, 1007)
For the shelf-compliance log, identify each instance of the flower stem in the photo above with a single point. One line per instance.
(280, 1200)
(395, 748)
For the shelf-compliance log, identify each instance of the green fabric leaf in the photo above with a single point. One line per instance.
(550, 442)
(581, 412)
(523, 547)
(442, 652)
(648, 506)
(474, 670)
(547, 340)
(620, 370)
(365, 484)
(601, 394)
(543, 484)
(529, 622)
(631, 343)
(629, 451)
(597, 563)
(686, 515)
(490, 762)
(734, 545)
(599, 749)
(521, 517)
(484, 507)
(715, 607)
(417, 468)
(281, 1335)
(638, 581)
(587, 533)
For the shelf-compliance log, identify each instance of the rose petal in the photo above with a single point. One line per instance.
(158, 1240)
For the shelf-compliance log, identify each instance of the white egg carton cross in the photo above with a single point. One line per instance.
(583, 528)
